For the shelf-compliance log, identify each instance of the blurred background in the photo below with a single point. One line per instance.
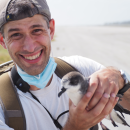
(89, 12)
(97, 29)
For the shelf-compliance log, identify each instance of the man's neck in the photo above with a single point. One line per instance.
(34, 88)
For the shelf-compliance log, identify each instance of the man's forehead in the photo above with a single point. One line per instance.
(28, 23)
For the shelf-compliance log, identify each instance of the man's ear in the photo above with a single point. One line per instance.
(52, 28)
(2, 41)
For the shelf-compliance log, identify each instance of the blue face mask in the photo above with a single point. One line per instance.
(40, 80)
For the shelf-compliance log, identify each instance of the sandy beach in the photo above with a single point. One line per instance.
(108, 45)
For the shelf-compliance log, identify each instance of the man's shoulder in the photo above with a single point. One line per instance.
(84, 65)
(82, 61)
(75, 58)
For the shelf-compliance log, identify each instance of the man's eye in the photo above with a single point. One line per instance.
(37, 30)
(15, 35)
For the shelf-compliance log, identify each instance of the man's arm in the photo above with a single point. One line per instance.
(126, 97)
(126, 100)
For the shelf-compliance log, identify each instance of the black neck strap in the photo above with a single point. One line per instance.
(18, 81)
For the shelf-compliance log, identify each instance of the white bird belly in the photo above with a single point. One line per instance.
(75, 97)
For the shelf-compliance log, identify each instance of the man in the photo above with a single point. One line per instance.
(26, 31)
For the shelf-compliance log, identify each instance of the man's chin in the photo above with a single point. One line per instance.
(34, 71)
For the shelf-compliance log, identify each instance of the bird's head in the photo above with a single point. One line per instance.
(71, 82)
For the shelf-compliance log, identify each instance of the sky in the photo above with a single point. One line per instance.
(89, 12)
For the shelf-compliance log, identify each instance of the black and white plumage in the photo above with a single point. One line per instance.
(76, 85)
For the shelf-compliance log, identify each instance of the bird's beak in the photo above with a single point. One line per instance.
(61, 92)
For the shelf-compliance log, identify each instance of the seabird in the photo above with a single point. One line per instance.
(76, 85)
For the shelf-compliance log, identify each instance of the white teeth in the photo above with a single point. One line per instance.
(32, 57)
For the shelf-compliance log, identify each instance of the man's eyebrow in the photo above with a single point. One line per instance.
(17, 29)
(13, 30)
(37, 25)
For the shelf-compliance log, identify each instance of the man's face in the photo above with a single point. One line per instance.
(29, 43)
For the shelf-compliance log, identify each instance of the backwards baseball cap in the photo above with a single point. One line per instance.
(9, 9)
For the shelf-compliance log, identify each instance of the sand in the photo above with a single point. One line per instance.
(108, 45)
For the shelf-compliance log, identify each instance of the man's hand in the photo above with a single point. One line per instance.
(82, 119)
(107, 81)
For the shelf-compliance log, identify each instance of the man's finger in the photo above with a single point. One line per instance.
(93, 84)
(100, 106)
(96, 89)
(84, 102)
(110, 104)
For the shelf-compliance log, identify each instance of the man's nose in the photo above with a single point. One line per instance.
(29, 44)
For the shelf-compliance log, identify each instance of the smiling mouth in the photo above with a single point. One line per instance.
(32, 57)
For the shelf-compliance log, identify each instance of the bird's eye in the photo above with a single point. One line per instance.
(74, 81)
